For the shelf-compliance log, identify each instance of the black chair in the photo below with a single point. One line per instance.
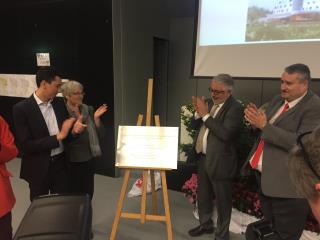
(57, 217)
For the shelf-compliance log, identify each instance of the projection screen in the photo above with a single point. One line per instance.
(256, 38)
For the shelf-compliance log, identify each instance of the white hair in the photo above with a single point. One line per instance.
(70, 87)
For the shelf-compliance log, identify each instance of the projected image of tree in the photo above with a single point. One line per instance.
(283, 20)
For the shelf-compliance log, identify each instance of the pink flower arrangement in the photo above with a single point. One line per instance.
(189, 189)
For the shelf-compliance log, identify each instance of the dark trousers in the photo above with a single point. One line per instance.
(288, 215)
(56, 180)
(208, 188)
(5, 227)
(82, 177)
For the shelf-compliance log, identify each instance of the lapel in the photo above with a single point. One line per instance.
(210, 104)
(57, 111)
(291, 110)
(225, 107)
(36, 115)
(274, 109)
(285, 114)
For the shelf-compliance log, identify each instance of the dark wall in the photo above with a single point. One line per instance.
(136, 24)
(78, 36)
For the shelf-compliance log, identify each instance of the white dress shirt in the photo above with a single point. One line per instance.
(51, 121)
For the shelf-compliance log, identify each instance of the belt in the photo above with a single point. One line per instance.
(57, 157)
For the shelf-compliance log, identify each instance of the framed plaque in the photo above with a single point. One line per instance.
(147, 147)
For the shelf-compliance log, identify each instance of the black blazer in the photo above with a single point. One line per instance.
(221, 153)
(33, 139)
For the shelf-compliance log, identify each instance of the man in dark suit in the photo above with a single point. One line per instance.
(218, 121)
(41, 124)
(295, 111)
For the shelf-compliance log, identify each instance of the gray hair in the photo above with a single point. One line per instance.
(226, 80)
(70, 87)
(301, 175)
(300, 68)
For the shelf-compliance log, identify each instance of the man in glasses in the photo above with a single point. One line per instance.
(304, 168)
(296, 110)
(218, 121)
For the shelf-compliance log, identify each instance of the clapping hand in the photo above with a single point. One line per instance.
(79, 126)
(101, 110)
(256, 118)
(98, 113)
(66, 126)
(200, 105)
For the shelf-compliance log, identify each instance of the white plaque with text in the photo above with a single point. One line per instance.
(147, 147)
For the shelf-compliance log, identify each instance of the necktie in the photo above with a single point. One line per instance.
(199, 143)
(256, 157)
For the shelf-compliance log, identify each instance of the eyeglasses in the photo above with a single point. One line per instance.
(215, 92)
(305, 154)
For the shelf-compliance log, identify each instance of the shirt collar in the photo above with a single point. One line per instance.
(296, 101)
(219, 104)
(39, 101)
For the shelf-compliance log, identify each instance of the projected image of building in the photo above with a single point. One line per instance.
(283, 20)
(289, 8)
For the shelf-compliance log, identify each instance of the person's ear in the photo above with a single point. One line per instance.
(317, 186)
(43, 84)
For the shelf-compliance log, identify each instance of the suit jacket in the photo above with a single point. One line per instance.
(221, 153)
(8, 151)
(280, 137)
(33, 139)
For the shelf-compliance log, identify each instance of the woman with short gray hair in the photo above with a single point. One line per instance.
(84, 147)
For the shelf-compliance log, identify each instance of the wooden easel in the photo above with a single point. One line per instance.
(142, 215)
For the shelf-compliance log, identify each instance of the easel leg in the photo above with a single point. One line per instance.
(120, 204)
(153, 188)
(144, 196)
(154, 193)
(166, 204)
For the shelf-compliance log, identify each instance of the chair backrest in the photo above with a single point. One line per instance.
(53, 217)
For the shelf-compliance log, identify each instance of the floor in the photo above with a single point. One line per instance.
(104, 205)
